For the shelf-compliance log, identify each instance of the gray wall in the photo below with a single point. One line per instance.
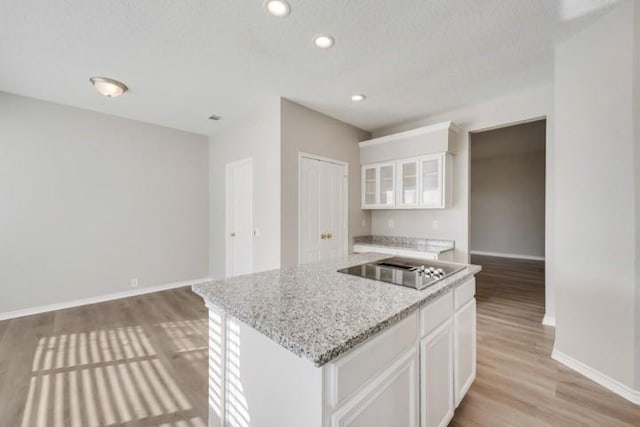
(636, 120)
(595, 217)
(257, 136)
(90, 201)
(305, 130)
(508, 191)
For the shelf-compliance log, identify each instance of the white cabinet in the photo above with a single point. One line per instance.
(378, 186)
(408, 183)
(390, 399)
(464, 349)
(436, 377)
(364, 249)
(422, 182)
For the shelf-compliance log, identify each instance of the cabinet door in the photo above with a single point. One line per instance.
(369, 186)
(431, 180)
(436, 377)
(387, 185)
(464, 349)
(390, 399)
(408, 183)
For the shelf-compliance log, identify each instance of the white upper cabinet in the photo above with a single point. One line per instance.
(422, 182)
(409, 170)
(379, 186)
(408, 183)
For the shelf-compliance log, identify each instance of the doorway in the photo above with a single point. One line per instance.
(239, 217)
(323, 209)
(507, 192)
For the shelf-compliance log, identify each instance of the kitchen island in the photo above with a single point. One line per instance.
(309, 346)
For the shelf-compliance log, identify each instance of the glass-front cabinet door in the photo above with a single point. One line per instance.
(408, 183)
(431, 195)
(369, 186)
(387, 185)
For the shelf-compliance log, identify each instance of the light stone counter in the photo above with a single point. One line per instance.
(316, 312)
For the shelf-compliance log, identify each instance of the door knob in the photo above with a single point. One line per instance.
(232, 234)
(323, 236)
(329, 236)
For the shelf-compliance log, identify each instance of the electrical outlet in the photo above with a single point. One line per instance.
(436, 224)
(134, 283)
(392, 223)
(364, 222)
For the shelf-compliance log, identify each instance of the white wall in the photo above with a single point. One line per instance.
(90, 201)
(532, 103)
(595, 214)
(305, 130)
(257, 136)
(507, 205)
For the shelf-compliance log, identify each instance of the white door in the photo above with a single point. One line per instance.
(464, 349)
(322, 210)
(239, 218)
(436, 377)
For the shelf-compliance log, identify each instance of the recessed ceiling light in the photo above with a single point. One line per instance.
(323, 41)
(108, 87)
(358, 97)
(278, 8)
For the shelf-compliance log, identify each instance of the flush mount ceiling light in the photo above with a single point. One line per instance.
(277, 8)
(108, 87)
(358, 97)
(323, 41)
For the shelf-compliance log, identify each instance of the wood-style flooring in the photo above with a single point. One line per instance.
(142, 361)
(517, 383)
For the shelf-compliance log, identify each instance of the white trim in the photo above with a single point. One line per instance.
(506, 255)
(549, 320)
(409, 133)
(100, 298)
(605, 381)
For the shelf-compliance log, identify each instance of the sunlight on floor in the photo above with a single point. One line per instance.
(107, 377)
(186, 337)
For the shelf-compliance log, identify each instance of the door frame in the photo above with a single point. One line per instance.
(345, 183)
(227, 213)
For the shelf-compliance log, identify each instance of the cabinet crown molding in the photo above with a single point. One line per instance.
(448, 125)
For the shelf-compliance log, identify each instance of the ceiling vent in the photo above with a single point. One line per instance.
(214, 117)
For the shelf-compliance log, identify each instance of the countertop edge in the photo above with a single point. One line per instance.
(324, 358)
(407, 248)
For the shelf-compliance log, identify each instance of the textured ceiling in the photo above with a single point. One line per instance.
(185, 60)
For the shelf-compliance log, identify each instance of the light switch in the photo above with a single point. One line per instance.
(392, 223)
(436, 224)
(256, 232)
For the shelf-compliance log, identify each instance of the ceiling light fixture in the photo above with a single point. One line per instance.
(277, 8)
(108, 87)
(358, 97)
(323, 41)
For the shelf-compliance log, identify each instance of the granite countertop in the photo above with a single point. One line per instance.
(436, 246)
(316, 312)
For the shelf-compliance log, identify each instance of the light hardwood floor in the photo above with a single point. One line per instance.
(142, 361)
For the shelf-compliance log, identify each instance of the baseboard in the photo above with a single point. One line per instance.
(505, 255)
(609, 383)
(100, 298)
(549, 320)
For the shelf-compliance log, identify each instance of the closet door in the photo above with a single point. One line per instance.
(322, 210)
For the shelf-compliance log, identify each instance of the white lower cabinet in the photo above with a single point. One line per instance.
(390, 399)
(464, 349)
(436, 377)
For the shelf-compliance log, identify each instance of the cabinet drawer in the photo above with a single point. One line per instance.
(464, 293)
(417, 254)
(348, 373)
(436, 313)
